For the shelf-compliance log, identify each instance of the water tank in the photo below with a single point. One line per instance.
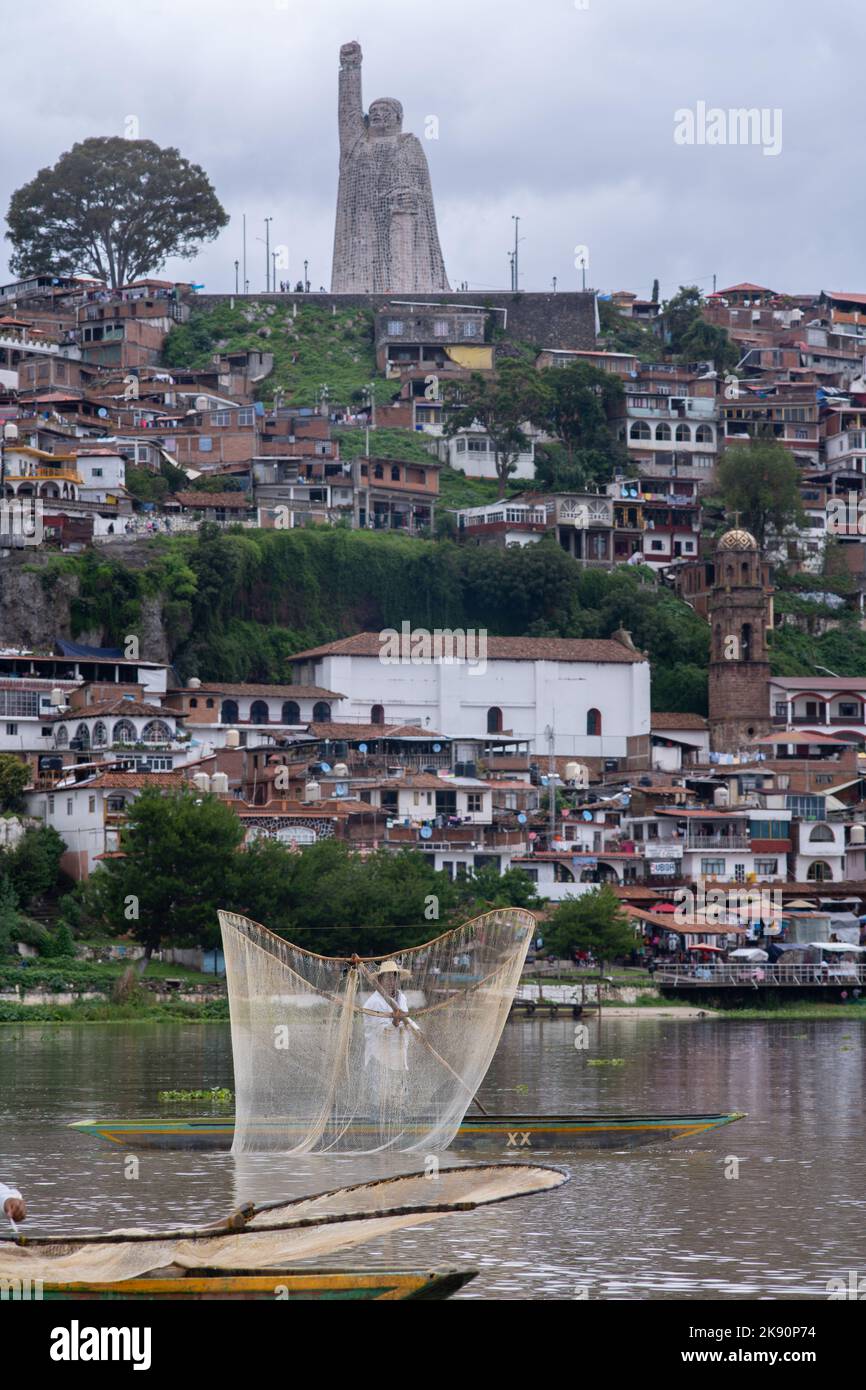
(57, 697)
(312, 791)
(577, 773)
(721, 796)
(858, 835)
(219, 784)
(341, 770)
(193, 683)
(233, 738)
(202, 782)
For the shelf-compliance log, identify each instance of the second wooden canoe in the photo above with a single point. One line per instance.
(273, 1286)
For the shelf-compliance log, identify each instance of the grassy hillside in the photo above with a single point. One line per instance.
(313, 348)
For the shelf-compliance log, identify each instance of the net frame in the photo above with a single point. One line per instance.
(361, 1079)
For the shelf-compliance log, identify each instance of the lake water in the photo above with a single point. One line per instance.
(658, 1223)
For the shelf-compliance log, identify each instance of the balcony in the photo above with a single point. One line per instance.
(730, 842)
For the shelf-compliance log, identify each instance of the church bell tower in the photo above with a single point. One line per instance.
(739, 689)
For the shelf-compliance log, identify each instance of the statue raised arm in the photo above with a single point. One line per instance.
(351, 106)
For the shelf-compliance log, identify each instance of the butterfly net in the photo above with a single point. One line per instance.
(336, 1054)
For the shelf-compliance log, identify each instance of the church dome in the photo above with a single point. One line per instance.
(737, 540)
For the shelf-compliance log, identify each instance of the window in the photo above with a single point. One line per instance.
(96, 472)
(739, 873)
(474, 802)
(69, 804)
(494, 720)
(766, 866)
(805, 807)
(848, 709)
(395, 328)
(377, 714)
(229, 712)
(663, 431)
(259, 712)
(639, 430)
(51, 805)
(703, 435)
(210, 704)
(246, 416)
(470, 329)
(440, 328)
(205, 443)
(657, 545)
(712, 866)
(781, 709)
(220, 417)
(11, 729)
(19, 703)
(820, 872)
(124, 731)
(395, 473)
(769, 829)
(61, 737)
(91, 805)
(193, 704)
(684, 434)
(322, 712)
(378, 471)
(291, 712)
(821, 833)
(100, 734)
(593, 723)
(461, 446)
(156, 731)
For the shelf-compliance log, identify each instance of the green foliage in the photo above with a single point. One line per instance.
(217, 1095)
(691, 338)
(33, 865)
(385, 443)
(488, 889)
(312, 349)
(581, 400)
(621, 334)
(761, 481)
(113, 208)
(595, 921)
(14, 777)
(145, 485)
(177, 868)
(501, 404)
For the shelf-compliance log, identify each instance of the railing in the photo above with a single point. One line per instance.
(712, 842)
(734, 973)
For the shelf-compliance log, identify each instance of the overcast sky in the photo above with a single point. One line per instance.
(562, 114)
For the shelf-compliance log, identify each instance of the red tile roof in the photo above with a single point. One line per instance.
(600, 650)
(678, 721)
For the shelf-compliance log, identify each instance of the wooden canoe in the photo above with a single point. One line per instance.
(274, 1286)
(480, 1132)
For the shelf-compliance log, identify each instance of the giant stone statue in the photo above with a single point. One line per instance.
(385, 240)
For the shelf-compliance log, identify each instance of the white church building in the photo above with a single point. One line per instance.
(586, 698)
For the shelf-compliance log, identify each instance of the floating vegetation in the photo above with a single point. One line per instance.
(606, 1062)
(217, 1094)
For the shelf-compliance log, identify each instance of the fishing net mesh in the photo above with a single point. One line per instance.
(333, 1054)
(276, 1236)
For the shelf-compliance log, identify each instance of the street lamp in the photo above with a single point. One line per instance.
(237, 267)
(306, 280)
(268, 221)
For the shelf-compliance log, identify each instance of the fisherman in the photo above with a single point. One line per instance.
(386, 1040)
(12, 1202)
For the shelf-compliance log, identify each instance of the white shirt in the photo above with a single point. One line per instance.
(382, 1041)
(6, 1193)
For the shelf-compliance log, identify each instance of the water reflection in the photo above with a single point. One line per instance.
(656, 1223)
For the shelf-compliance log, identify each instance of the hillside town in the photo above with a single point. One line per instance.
(546, 756)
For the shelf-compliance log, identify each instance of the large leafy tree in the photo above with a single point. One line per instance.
(761, 481)
(113, 208)
(581, 403)
(595, 921)
(179, 866)
(502, 404)
(14, 777)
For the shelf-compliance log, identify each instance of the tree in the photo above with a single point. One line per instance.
(502, 405)
(9, 917)
(33, 866)
(178, 867)
(113, 208)
(761, 481)
(487, 888)
(14, 777)
(595, 921)
(581, 401)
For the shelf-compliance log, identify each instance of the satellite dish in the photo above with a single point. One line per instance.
(326, 767)
(426, 832)
(624, 799)
(102, 413)
(544, 781)
(362, 747)
(437, 747)
(587, 815)
(521, 819)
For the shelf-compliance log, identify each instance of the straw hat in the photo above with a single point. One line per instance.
(390, 967)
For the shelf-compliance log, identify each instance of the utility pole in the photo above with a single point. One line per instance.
(551, 783)
(237, 263)
(306, 280)
(274, 267)
(516, 220)
(554, 284)
(511, 267)
(268, 221)
(246, 281)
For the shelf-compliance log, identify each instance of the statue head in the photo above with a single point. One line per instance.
(385, 116)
